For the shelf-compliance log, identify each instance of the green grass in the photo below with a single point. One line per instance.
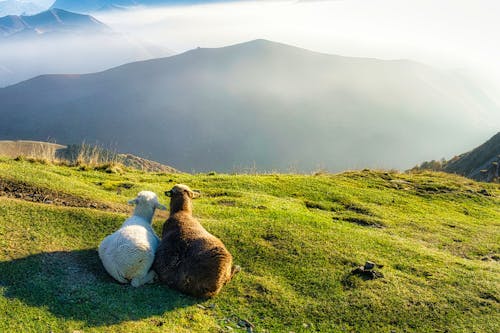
(296, 237)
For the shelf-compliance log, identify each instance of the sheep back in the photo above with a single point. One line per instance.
(190, 259)
(129, 252)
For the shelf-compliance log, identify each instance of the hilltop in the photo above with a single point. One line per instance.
(298, 238)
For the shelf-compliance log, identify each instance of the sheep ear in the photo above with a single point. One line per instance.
(133, 202)
(195, 194)
(160, 206)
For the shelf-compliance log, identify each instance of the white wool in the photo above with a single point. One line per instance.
(128, 253)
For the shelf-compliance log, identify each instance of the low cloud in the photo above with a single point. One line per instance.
(451, 34)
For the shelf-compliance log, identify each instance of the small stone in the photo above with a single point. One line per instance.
(359, 270)
(245, 323)
(369, 265)
(485, 192)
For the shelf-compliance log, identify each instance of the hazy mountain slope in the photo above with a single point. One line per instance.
(480, 163)
(50, 21)
(57, 41)
(261, 103)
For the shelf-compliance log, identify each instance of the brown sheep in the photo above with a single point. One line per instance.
(189, 258)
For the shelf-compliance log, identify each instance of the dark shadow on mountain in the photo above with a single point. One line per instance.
(74, 285)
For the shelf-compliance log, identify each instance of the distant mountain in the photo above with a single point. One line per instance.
(14, 7)
(50, 21)
(481, 163)
(86, 6)
(58, 41)
(262, 104)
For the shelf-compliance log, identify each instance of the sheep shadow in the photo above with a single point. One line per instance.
(74, 285)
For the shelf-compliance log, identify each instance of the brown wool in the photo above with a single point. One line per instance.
(189, 258)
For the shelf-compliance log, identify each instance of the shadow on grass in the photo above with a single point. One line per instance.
(74, 285)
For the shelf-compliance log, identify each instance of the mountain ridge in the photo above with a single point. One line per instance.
(50, 21)
(258, 102)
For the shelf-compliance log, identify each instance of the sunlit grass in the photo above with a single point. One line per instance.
(296, 237)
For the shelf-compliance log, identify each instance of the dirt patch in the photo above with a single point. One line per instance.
(491, 257)
(356, 208)
(489, 296)
(217, 194)
(28, 192)
(363, 221)
(270, 237)
(228, 203)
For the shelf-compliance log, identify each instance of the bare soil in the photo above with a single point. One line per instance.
(23, 191)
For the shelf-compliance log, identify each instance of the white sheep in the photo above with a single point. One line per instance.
(128, 253)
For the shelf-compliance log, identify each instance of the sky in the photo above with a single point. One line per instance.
(41, 3)
(459, 35)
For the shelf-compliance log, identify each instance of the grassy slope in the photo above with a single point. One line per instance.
(293, 235)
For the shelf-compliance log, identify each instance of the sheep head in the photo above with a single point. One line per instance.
(146, 203)
(181, 196)
(147, 198)
(181, 190)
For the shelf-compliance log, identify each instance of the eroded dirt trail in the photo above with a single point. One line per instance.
(28, 192)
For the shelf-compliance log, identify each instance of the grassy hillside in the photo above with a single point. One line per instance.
(297, 239)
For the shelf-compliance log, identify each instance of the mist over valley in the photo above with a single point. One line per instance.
(259, 104)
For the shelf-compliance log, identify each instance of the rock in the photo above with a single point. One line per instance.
(484, 192)
(245, 323)
(368, 274)
(369, 265)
